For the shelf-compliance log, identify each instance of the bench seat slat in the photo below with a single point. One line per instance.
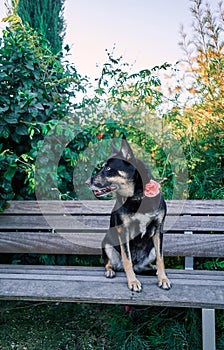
(200, 245)
(120, 278)
(197, 292)
(99, 270)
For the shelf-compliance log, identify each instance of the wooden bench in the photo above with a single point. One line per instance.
(193, 229)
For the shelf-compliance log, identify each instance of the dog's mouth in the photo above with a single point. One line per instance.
(101, 192)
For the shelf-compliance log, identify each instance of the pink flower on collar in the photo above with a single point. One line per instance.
(152, 189)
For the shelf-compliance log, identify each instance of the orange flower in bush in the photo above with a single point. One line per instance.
(100, 136)
(152, 189)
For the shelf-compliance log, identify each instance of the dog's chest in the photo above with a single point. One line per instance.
(138, 222)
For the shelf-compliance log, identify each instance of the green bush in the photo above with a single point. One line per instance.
(35, 88)
(198, 122)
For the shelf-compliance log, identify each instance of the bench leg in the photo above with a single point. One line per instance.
(189, 263)
(208, 329)
(189, 260)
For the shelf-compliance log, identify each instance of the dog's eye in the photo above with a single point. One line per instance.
(108, 168)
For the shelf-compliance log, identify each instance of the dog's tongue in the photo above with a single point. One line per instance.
(152, 189)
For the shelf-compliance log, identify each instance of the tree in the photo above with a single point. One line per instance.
(46, 17)
(200, 124)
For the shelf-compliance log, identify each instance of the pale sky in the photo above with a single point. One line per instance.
(144, 31)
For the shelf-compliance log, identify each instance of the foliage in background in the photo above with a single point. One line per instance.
(35, 88)
(46, 17)
(36, 92)
(199, 124)
(123, 102)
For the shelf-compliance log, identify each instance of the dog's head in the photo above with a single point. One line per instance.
(122, 173)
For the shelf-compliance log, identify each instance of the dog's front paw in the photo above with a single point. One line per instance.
(135, 285)
(164, 283)
(110, 273)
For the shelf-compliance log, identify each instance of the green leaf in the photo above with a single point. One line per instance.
(39, 106)
(4, 131)
(11, 118)
(29, 65)
(21, 105)
(3, 204)
(4, 109)
(21, 130)
(9, 173)
(15, 137)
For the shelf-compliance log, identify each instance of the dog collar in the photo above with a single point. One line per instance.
(138, 198)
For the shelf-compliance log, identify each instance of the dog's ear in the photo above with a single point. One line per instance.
(126, 150)
(114, 148)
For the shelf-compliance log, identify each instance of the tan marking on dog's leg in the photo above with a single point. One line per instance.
(110, 273)
(163, 281)
(133, 283)
(119, 229)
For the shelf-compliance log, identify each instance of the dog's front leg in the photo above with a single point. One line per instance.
(133, 283)
(163, 281)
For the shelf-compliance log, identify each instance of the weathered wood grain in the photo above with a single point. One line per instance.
(87, 285)
(82, 222)
(99, 270)
(77, 227)
(175, 207)
(198, 245)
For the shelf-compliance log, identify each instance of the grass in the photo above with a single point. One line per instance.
(64, 326)
(70, 326)
(50, 326)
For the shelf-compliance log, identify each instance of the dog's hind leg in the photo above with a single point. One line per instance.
(163, 281)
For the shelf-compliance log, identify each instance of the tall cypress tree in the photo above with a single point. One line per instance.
(45, 16)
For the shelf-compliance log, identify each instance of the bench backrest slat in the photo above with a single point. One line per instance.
(78, 227)
(179, 207)
(69, 222)
(200, 245)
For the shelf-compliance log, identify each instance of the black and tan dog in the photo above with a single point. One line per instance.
(134, 239)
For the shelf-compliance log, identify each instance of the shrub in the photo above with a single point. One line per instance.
(35, 87)
(199, 123)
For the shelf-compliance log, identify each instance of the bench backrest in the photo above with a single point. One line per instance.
(192, 227)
